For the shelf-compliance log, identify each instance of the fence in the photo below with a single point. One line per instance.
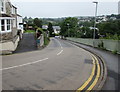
(111, 45)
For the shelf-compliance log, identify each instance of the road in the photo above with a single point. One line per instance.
(112, 61)
(60, 66)
(27, 44)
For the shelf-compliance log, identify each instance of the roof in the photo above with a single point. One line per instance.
(5, 15)
(14, 7)
(56, 27)
(44, 26)
(19, 15)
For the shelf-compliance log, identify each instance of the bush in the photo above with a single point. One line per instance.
(115, 52)
(29, 31)
(113, 37)
(46, 39)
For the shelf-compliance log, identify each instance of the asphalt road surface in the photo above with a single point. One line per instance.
(112, 61)
(60, 66)
(27, 44)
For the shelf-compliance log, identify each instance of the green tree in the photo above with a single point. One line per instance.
(69, 27)
(37, 22)
(50, 29)
(109, 27)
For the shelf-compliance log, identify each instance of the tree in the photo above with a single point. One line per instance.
(50, 29)
(109, 27)
(37, 22)
(69, 27)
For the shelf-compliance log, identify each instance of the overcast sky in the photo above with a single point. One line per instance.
(64, 8)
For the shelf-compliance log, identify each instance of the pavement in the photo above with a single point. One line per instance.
(59, 66)
(113, 67)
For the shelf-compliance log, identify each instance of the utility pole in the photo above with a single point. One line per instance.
(95, 21)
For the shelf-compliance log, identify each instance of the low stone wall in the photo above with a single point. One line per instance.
(9, 46)
(41, 40)
(111, 45)
(6, 36)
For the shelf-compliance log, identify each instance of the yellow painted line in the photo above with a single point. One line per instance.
(97, 76)
(89, 79)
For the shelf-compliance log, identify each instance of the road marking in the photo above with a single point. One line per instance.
(89, 79)
(59, 43)
(60, 52)
(60, 47)
(23, 64)
(91, 76)
(97, 76)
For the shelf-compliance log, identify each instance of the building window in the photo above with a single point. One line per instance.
(2, 6)
(8, 24)
(2, 25)
(5, 25)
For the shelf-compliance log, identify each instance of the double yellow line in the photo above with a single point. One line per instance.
(95, 62)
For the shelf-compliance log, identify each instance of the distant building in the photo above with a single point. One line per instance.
(119, 7)
(56, 29)
(45, 27)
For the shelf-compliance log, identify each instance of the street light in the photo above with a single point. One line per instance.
(95, 19)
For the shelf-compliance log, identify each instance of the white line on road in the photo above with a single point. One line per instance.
(60, 52)
(23, 64)
(59, 43)
(60, 46)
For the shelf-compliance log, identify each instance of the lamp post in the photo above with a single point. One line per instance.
(95, 21)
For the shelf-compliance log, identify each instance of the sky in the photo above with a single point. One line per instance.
(64, 8)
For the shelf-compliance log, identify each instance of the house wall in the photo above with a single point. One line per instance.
(20, 20)
(8, 7)
(9, 38)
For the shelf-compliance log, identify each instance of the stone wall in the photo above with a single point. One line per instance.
(8, 8)
(6, 36)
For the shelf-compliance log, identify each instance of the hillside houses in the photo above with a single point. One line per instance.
(11, 26)
(56, 29)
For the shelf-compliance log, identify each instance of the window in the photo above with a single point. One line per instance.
(5, 25)
(2, 25)
(8, 24)
(2, 6)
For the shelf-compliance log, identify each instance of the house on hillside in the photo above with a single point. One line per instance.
(45, 27)
(10, 26)
(56, 29)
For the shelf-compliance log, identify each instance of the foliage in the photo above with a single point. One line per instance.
(46, 39)
(69, 27)
(29, 31)
(115, 52)
(110, 36)
(109, 27)
(50, 29)
(37, 22)
(86, 23)
(86, 32)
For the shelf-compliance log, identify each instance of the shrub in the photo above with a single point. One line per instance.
(115, 52)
